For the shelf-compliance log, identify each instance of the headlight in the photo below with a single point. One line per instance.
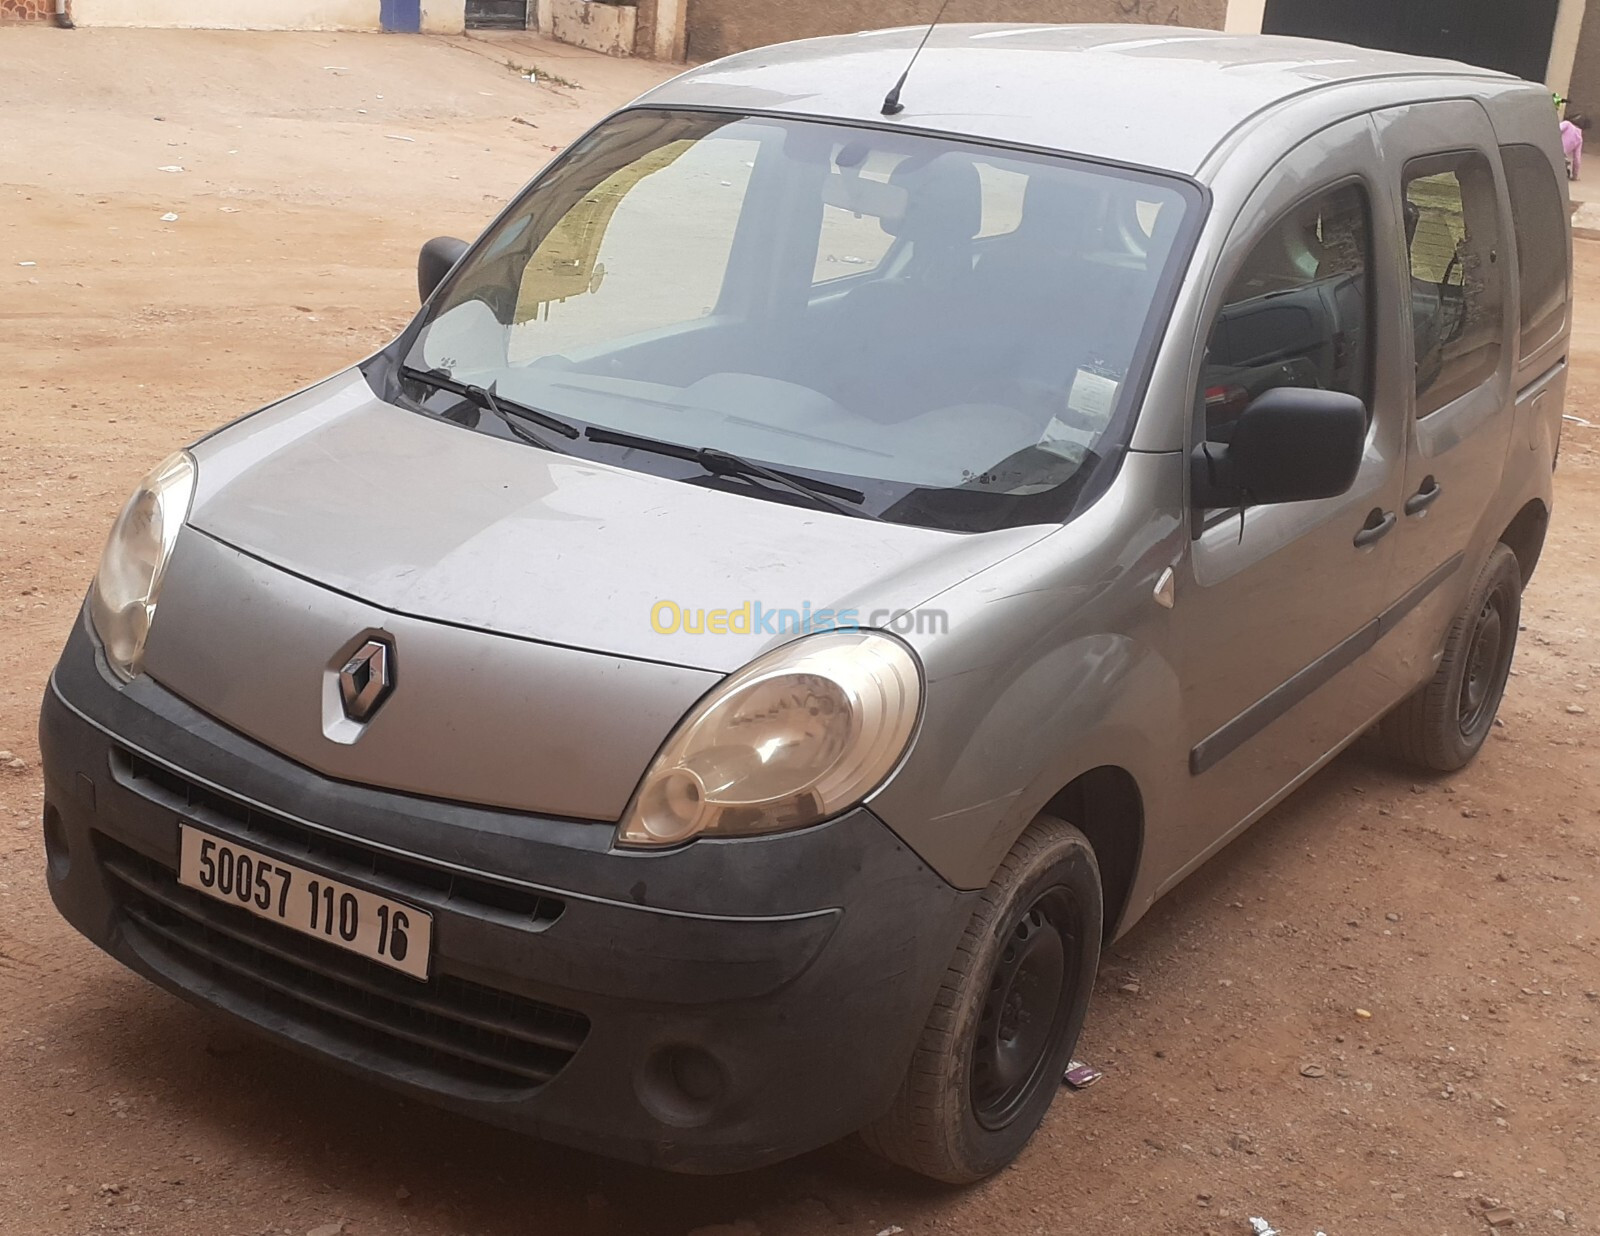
(798, 735)
(122, 601)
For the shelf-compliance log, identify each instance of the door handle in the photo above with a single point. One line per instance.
(1424, 497)
(1378, 525)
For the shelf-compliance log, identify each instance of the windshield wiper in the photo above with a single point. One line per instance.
(820, 494)
(509, 411)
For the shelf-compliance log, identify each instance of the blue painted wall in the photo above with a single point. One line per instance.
(404, 16)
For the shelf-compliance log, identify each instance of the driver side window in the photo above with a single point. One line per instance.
(1297, 313)
(1452, 231)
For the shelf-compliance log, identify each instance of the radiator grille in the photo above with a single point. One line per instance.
(445, 1029)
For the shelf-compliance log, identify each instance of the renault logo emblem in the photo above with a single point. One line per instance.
(366, 679)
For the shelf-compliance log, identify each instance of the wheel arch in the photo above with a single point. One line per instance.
(1105, 804)
(1525, 534)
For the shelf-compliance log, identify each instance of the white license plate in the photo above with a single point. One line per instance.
(391, 933)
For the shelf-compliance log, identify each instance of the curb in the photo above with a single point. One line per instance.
(1586, 221)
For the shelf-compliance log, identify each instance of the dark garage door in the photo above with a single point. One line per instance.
(1514, 38)
(497, 14)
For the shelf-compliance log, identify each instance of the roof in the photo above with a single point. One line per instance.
(1160, 96)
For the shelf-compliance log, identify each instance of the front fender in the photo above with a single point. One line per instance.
(1054, 662)
(1095, 701)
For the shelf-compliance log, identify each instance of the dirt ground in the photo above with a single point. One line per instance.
(1463, 913)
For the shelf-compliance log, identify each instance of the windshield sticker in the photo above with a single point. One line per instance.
(1068, 441)
(1092, 394)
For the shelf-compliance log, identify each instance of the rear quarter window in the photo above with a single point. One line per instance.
(1457, 282)
(1538, 214)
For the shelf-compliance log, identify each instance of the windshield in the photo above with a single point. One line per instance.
(953, 331)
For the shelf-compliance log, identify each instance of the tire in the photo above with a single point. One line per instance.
(1442, 726)
(1007, 1016)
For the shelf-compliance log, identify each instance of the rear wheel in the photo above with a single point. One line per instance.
(1007, 1016)
(1444, 724)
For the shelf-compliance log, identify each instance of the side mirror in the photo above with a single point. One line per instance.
(435, 261)
(1292, 444)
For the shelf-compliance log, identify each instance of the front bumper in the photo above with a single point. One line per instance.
(708, 1009)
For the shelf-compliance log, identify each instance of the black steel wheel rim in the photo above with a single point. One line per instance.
(1485, 668)
(1026, 1008)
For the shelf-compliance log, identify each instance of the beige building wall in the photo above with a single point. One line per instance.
(1583, 85)
(1570, 20)
(438, 16)
(444, 16)
(719, 27)
(1245, 16)
(606, 28)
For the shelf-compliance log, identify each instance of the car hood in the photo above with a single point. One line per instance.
(425, 519)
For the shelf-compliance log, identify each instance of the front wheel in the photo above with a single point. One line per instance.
(1441, 727)
(1007, 1016)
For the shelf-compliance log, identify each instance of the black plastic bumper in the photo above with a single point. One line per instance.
(709, 1009)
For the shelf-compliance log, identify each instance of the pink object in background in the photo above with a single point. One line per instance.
(1572, 145)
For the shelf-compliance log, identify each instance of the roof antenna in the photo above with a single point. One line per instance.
(891, 101)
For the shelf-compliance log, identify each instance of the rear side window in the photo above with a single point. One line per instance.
(1539, 217)
(1297, 313)
(1457, 293)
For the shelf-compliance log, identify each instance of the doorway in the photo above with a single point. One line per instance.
(400, 16)
(498, 14)
(1480, 32)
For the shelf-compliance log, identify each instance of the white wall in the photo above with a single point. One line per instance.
(444, 16)
(1244, 16)
(607, 28)
(671, 20)
(438, 16)
(1564, 46)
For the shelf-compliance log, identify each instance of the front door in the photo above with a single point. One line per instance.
(1281, 610)
(1446, 183)
(400, 16)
